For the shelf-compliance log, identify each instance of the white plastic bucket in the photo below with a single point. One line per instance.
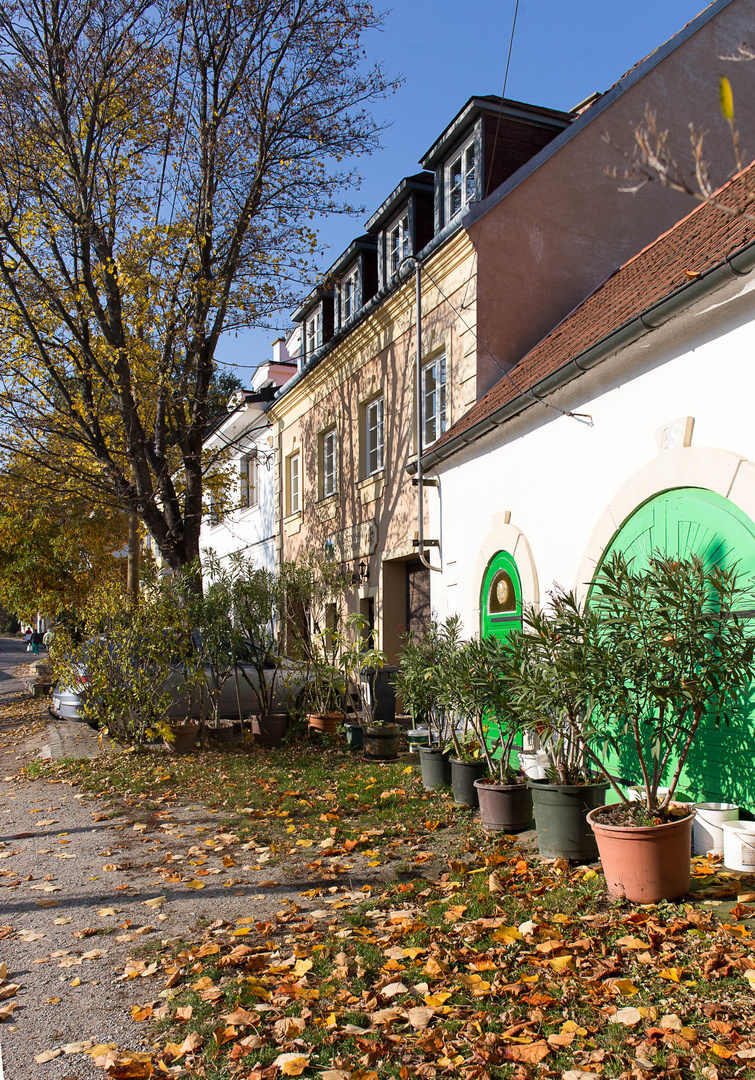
(534, 763)
(739, 845)
(418, 736)
(707, 830)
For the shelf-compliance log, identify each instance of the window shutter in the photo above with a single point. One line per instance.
(244, 481)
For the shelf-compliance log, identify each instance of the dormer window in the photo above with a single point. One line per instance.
(461, 179)
(399, 246)
(349, 295)
(313, 331)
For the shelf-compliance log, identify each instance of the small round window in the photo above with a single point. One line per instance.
(502, 595)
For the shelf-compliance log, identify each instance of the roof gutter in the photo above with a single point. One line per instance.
(739, 264)
(393, 285)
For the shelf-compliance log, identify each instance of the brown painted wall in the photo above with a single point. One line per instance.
(565, 228)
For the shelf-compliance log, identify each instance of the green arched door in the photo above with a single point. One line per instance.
(687, 521)
(500, 604)
(500, 597)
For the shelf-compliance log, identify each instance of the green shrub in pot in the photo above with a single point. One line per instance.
(555, 667)
(635, 671)
(675, 646)
(473, 692)
(551, 682)
(422, 666)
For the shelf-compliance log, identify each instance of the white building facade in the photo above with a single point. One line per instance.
(629, 427)
(248, 526)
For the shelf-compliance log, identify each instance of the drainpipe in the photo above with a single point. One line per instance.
(280, 463)
(419, 480)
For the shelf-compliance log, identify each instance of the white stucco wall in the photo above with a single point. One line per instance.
(557, 478)
(250, 532)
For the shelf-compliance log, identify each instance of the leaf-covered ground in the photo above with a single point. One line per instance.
(416, 946)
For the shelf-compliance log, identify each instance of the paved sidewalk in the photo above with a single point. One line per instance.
(64, 739)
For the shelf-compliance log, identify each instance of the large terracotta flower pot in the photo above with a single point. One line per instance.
(504, 807)
(183, 738)
(645, 864)
(325, 723)
(561, 819)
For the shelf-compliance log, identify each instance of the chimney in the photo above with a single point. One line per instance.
(280, 352)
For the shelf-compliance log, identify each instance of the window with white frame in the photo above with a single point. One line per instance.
(433, 399)
(461, 179)
(249, 493)
(398, 243)
(293, 483)
(349, 295)
(373, 436)
(328, 463)
(214, 513)
(313, 331)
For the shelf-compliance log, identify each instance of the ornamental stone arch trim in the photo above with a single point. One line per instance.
(503, 536)
(729, 475)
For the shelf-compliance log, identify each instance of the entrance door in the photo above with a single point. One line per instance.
(500, 607)
(417, 598)
(500, 597)
(683, 522)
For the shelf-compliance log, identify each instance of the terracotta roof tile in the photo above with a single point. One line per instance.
(695, 244)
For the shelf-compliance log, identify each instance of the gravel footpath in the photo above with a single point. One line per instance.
(75, 891)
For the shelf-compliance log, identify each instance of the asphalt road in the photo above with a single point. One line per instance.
(14, 661)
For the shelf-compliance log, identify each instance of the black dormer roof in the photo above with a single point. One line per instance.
(350, 255)
(492, 105)
(316, 297)
(423, 181)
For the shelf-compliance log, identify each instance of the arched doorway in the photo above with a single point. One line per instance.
(686, 521)
(500, 605)
(500, 597)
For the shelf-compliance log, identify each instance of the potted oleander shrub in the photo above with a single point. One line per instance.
(259, 608)
(419, 680)
(675, 654)
(313, 591)
(326, 683)
(504, 796)
(552, 675)
(361, 663)
(216, 639)
(474, 694)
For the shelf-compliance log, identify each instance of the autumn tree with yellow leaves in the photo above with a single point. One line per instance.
(56, 543)
(160, 165)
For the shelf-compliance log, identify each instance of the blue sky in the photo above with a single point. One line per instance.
(448, 50)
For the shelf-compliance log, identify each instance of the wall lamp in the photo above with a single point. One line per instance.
(361, 574)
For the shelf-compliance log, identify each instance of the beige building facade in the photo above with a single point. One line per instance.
(347, 429)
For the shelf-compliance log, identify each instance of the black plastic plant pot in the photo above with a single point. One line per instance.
(463, 776)
(354, 736)
(561, 819)
(435, 766)
(504, 807)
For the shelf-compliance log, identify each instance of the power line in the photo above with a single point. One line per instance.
(582, 418)
(486, 190)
